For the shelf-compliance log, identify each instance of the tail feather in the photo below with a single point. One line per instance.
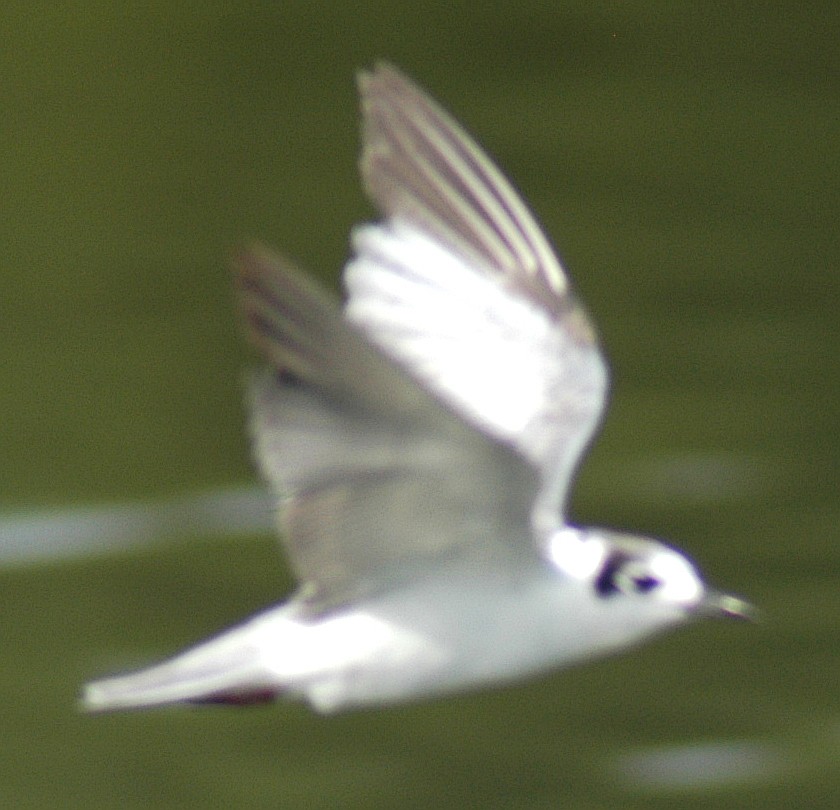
(219, 671)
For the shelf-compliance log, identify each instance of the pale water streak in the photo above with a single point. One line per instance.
(702, 765)
(802, 750)
(61, 533)
(693, 477)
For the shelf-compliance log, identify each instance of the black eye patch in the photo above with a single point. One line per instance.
(605, 584)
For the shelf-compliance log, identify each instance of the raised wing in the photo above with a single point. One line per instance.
(377, 481)
(460, 286)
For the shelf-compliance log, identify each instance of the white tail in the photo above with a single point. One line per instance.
(227, 669)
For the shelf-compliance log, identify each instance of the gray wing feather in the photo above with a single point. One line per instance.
(376, 479)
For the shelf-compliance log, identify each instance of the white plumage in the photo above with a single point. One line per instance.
(422, 444)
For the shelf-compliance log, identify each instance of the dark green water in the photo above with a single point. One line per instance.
(685, 161)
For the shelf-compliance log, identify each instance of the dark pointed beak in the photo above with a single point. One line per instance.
(715, 605)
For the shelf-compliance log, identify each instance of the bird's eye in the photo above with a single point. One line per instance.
(621, 575)
(634, 577)
(644, 583)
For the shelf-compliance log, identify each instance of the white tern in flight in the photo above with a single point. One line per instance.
(422, 442)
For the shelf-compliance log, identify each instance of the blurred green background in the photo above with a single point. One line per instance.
(684, 158)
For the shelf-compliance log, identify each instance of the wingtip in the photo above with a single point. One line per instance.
(380, 68)
(381, 78)
(363, 79)
(248, 255)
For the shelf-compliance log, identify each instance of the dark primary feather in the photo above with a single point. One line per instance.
(418, 164)
(300, 330)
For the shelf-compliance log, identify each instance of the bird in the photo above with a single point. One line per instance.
(422, 439)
